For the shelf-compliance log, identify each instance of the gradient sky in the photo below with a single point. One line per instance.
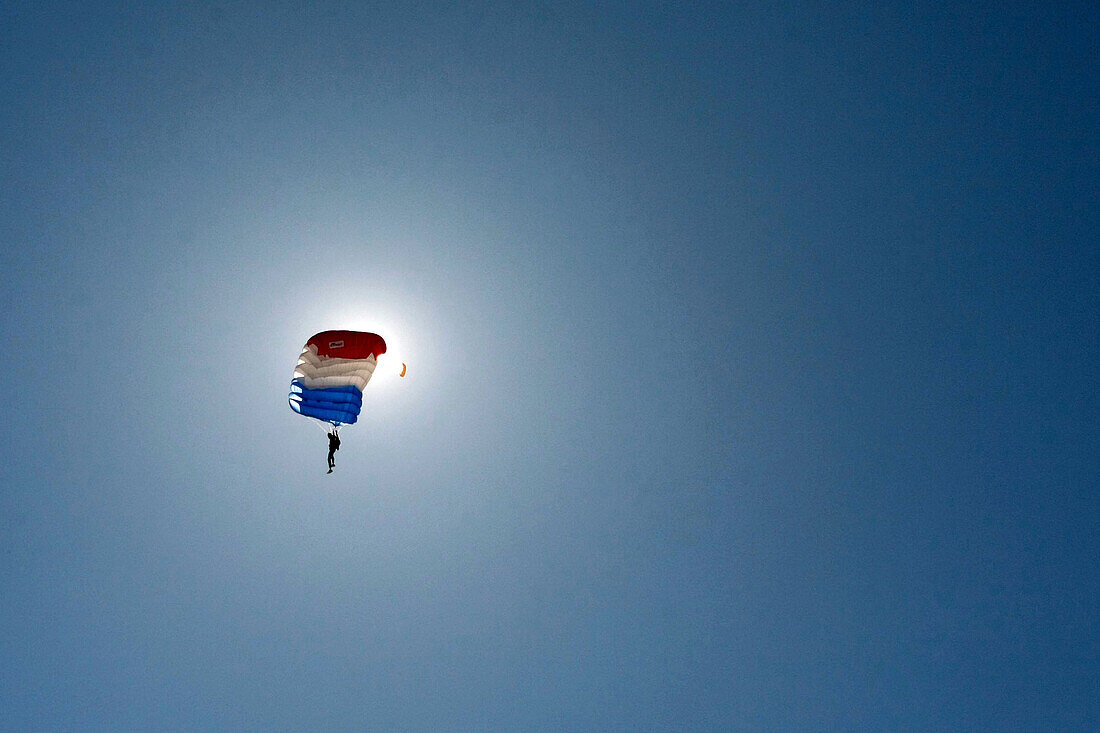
(753, 366)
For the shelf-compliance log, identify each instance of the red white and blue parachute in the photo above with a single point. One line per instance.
(331, 374)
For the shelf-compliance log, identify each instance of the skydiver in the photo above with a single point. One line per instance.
(333, 446)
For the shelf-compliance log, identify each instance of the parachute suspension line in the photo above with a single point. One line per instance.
(322, 424)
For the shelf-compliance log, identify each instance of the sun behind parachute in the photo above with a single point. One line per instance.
(332, 372)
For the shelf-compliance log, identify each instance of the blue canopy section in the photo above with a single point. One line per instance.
(337, 405)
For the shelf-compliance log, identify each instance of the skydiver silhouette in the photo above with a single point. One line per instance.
(333, 446)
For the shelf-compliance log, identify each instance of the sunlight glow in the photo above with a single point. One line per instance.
(388, 323)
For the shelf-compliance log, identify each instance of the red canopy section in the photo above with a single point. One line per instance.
(348, 344)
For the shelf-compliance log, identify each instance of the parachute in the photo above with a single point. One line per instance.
(331, 374)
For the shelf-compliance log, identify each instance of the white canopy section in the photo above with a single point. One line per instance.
(318, 372)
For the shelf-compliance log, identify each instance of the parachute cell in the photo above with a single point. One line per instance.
(332, 372)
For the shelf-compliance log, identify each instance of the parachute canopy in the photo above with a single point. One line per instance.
(331, 373)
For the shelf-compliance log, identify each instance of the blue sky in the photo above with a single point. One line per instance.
(752, 366)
